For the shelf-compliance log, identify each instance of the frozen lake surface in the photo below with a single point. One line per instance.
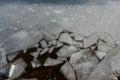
(76, 34)
(22, 20)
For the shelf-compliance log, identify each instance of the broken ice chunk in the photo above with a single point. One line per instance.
(100, 54)
(108, 66)
(51, 49)
(5, 70)
(68, 71)
(91, 40)
(84, 70)
(8, 70)
(19, 68)
(24, 51)
(11, 56)
(115, 63)
(82, 56)
(104, 47)
(110, 40)
(75, 58)
(67, 51)
(84, 63)
(43, 44)
(37, 45)
(65, 38)
(3, 61)
(77, 44)
(11, 70)
(113, 77)
(44, 51)
(59, 44)
(78, 37)
(53, 43)
(35, 63)
(46, 35)
(72, 48)
(52, 62)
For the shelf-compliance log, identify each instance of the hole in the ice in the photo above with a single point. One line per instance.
(118, 77)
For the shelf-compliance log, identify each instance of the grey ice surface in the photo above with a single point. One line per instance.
(108, 67)
(52, 62)
(68, 71)
(21, 21)
(24, 22)
(84, 63)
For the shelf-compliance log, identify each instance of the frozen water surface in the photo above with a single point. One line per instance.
(81, 16)
(23, 23)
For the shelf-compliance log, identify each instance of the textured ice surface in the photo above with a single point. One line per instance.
(81, 16)
(108, 67)
(76, 62)
(25, 22)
